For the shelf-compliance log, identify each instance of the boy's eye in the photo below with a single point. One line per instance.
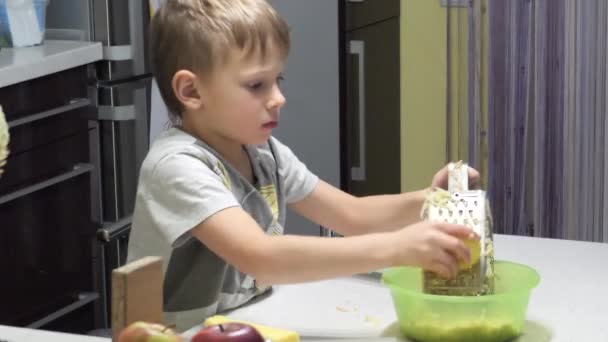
(259, 86)
(256, 86)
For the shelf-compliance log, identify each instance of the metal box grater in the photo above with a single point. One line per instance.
(459, 205)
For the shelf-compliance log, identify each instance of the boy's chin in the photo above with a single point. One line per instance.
(261, 140)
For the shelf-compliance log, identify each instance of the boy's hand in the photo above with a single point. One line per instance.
(433, 246)
(440, 180)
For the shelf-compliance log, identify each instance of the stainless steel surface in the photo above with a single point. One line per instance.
(138, 20)
(357, 48)
(465, 207)
(119, 168)
(120, 93)
(95, 159)
(125, 128)
(111, 22)
(77, 171)
(122, 27)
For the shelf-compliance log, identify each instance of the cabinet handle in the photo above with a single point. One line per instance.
(83, 299)
(116, 113)
(74, 104)
(356, 0)
(78, 170)
(357, 47)
(109, 232)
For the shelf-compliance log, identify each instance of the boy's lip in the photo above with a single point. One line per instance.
(271, 124)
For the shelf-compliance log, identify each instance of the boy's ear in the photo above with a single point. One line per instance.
(185, 88)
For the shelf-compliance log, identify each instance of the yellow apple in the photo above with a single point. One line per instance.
(148, 332)
(474, 247)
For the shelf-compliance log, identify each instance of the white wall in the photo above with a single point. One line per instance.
(309, 122)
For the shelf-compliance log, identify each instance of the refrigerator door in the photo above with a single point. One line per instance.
(373, 109)
(123, 110)
(122, 27)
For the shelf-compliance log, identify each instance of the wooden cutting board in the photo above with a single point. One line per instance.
(137, 293)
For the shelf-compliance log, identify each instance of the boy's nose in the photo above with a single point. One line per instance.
(277, 99)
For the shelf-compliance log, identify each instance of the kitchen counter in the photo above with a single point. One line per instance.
(570, 304)
(23, 64)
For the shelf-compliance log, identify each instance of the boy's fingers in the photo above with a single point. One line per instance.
(449, 263)
(458, 231)
(474, 177)
(455, 247)
(440, 270)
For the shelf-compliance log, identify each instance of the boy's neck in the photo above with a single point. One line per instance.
(234, 153)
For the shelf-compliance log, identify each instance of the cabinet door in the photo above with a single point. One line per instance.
(361, 13)
(373, 109)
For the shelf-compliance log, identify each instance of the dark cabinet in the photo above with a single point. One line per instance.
(361, 13)
(373, 106)
(50, 207)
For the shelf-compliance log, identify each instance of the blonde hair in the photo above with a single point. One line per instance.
(198, 35)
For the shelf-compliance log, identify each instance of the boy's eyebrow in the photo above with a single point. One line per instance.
(260, 72)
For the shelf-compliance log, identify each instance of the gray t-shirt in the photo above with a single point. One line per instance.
(182, 182)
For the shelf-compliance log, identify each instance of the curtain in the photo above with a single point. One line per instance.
(537, 104)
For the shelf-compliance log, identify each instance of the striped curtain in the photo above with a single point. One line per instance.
(546, 131)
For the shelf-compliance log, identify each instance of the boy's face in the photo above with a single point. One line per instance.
(240, 103)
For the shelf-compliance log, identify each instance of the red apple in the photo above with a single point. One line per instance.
(147, 332)
(228, 332)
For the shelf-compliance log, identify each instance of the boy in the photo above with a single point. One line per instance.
(214, 188)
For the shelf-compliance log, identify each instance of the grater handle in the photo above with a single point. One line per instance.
(458, 177)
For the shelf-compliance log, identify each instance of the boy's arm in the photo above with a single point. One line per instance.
(235, 237)
(350, 215)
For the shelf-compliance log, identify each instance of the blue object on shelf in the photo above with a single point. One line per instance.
(22, 22)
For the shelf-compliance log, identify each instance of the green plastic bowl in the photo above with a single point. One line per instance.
(432, 318)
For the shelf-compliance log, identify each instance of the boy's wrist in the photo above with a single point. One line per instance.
(388, 251)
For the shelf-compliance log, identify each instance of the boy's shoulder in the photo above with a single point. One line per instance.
(175, 145)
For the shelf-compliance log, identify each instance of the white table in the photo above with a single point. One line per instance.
(569, 305)
(12, 334)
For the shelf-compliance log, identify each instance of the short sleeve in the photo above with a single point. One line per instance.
(298, 181)
(180, 193)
